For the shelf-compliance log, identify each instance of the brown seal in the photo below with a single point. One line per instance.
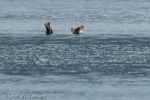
(48, 28)
(78, 30)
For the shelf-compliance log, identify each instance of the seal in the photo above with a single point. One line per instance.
(78, 30)
(48, 28)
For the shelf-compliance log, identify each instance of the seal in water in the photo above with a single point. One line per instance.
(48, 28)
(78, 30)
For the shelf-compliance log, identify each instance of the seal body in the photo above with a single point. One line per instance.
(48, 28)
(78, 30)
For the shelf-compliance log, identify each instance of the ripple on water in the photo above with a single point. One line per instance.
(75, 55)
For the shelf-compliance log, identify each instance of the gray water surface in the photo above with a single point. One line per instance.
(110, 61)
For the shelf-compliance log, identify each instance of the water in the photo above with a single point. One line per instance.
(110, 61)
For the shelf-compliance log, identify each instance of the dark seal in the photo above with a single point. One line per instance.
(48, 28)
(78, 30)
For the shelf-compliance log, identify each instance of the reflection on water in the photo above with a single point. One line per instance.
(110, 61)
(69, 54)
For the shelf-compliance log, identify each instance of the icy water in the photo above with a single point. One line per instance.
(110, 61)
